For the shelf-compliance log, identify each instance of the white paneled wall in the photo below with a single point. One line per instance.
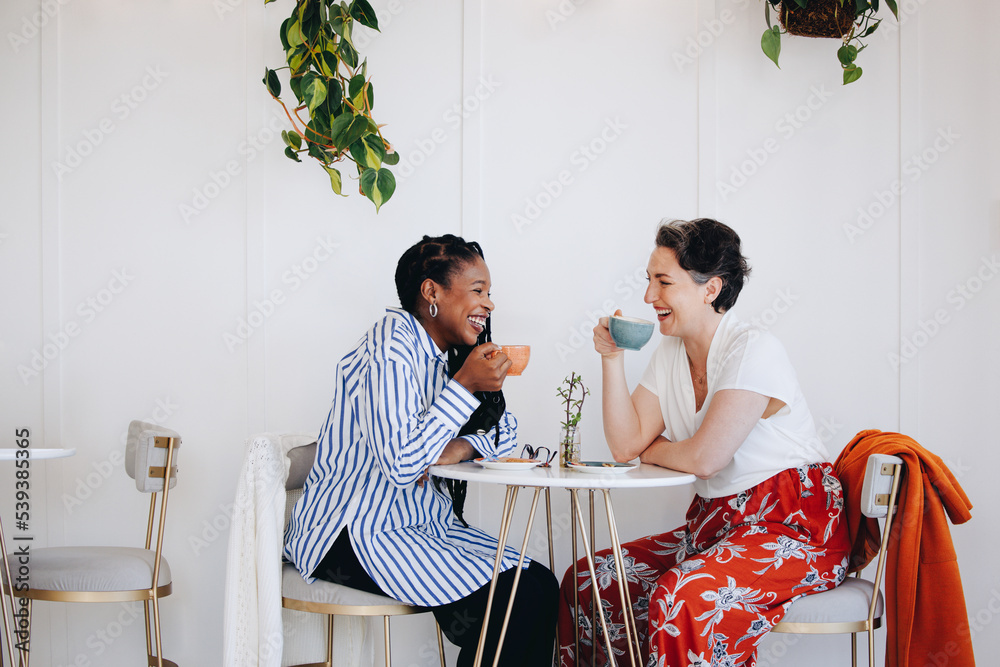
(149, 213)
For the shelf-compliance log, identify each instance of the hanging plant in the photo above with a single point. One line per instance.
(332, 119)
(848, 20)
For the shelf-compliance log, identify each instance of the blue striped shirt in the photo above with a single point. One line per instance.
(394, 410)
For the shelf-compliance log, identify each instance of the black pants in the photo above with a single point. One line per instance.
(530, 631)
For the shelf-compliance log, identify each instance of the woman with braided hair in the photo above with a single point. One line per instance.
(366, 518)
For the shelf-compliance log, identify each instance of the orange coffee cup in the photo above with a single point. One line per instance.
(518, 355)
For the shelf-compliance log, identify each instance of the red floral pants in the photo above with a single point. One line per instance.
(705, 595)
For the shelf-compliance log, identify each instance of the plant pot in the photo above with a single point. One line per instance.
(569, 445)
(822, 18)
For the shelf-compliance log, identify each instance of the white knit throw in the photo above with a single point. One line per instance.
(255, 627)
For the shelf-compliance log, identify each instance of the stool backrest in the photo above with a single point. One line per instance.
(147, 449)
(300, 461)
(878, 488)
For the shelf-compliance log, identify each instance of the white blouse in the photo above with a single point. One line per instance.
(394, 410)
(740, 357)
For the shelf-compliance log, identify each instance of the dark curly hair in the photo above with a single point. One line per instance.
(706, 248)
(437, 258)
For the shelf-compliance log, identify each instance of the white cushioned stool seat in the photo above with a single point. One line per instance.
(847, 603)
(94, 569)
(294, 587)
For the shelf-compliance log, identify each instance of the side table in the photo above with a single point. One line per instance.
(19, 455)
(538, 478)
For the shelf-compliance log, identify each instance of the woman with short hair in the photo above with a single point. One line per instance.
(719, 399)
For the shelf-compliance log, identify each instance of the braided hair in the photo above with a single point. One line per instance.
(435, 258)
(439, 259)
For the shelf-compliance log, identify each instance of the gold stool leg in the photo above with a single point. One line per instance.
(24, 654)
(440, 642)
(156, 630)
(149, 631)
(329, 640)
(388, 643)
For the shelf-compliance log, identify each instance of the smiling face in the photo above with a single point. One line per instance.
(683, 307)
(463, 305)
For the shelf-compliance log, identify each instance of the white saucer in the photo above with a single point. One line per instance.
(603, 467)
(506, 465)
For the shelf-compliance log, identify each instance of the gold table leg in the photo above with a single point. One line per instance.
(593, 582)
(576, 574)
(593, 554)
(508, 512)
(552, 558)
(631, 630)
(517, 575)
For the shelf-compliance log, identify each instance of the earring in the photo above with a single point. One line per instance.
(433, 310)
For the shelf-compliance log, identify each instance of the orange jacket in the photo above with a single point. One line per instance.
(928, 622)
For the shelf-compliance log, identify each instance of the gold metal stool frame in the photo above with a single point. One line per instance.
(331, 610)
(872, 622)
(148, 596)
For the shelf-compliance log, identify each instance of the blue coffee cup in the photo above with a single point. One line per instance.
(630, 333)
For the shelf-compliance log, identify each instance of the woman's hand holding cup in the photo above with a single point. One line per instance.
(603, 342)
(485, 369)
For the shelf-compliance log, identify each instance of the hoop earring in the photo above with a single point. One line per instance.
(433, 310)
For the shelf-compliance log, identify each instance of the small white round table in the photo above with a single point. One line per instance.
(539, 478)
(7, 583)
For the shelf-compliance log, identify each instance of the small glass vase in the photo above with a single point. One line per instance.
(569, 445)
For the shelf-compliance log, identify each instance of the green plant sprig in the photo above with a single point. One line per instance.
(864, 25)
(574, 406)
(328, 83)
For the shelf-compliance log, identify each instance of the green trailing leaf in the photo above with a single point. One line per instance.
(291, 155)
(356, 84)
(847, 54)
(331, 62)
(342, 26)
(294, 34)
(292, 139)
(271, 81)
(364, 14)
(298, 59)
(348, 54)
(872, 28)
(892, 7)
(852, 73)
(357, 129)
(283, 33)
(335, 181)
(770, 43)
(368, 151)
(334, 97)
(391, 158)
(313, 90)
(295, 83)
(338, 129)
(378, 185)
